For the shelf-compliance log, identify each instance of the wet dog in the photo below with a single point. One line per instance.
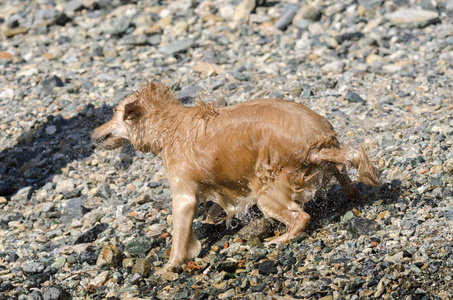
(269, 152)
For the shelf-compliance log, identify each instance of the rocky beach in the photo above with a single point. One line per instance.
(78, 222)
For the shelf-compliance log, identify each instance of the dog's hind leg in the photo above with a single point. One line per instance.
(276, 203)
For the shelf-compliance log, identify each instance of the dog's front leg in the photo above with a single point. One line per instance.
(184, 207)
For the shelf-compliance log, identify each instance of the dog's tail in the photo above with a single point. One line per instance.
(348, 156)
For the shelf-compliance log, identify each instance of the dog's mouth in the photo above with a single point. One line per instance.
(109, 141)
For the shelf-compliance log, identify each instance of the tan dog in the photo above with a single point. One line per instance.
(269, 152)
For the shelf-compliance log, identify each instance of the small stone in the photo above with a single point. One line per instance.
(374, 60)
(307, 12)
(64, 185)
(92, 234)
(139, 245)
(188, 94)
(227, 266)
(141, 267)
(371, 4)
(51, 130)
(88, 257)
(170, 276)
(55, 293)
(260, 227)
(59, 263)
(33, 268)
(110, 256)
(360, 226)
(5, 55)
(413, 17)
(243, 10)
(99, 280)
(267, 268)
(74, 209)
(286, 19)
(349, 215)
(73, 6)
(3, 200)
(50, 83)
(103, 191)
(177, 46)
(353, 97)
(22, 195)
(335, 67)
(207, 68)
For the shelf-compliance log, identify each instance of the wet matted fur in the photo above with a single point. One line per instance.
(269, 152)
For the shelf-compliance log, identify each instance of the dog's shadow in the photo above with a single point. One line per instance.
(42, 152)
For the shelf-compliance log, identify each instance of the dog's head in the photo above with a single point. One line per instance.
(135, 118)
(117, 132)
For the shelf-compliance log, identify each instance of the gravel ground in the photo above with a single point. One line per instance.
(78, 222)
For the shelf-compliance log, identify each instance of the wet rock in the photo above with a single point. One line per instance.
(55, 292)
(360, 226)
(413, 17)
(267, 268)
(92, 234)
(227, 266)
(260, 227)
(139, 245)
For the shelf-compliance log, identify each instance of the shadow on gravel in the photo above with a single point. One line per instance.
(328, 207)
(42, 152)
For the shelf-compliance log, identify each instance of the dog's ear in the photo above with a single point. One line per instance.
(132, 111)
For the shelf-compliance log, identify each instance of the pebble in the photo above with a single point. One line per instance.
(413, 17)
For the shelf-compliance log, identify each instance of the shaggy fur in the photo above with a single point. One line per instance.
(269, 152)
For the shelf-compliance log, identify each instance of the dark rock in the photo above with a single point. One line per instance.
(50, 83)
(353, 97)
(267, 268)
(227, 266)
(37, 280)
(360, 226)
(35, 295)
(55, 293)
(6, 286)
(88, 257)
(92, 234)
(7, 187)
(351, 36)
(139, 245)
(12, 257)
(188, 94)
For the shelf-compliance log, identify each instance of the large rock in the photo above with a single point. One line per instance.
(412, 18)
